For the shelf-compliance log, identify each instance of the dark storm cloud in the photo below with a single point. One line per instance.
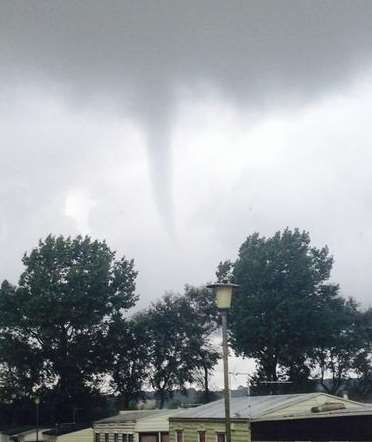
(137, 53)
(80, 79)
(143, 49)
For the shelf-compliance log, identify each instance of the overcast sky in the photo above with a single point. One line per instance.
(174, 129)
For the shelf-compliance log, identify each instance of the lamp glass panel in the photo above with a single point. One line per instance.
(223, 297)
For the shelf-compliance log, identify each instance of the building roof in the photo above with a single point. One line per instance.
(30, 431)
(66, 429)
(260, 407)
(11, 431)
(157, 421)
(127, 415)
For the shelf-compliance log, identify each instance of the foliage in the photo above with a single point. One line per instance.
(59, 313)
(344, 350)
(277, 316)
(225, 271)
(362, 389)
(203, 304)
(129, 361)
(202, 301)
(178, 331)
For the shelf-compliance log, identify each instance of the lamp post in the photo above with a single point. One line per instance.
(37, 403)
(223, 300)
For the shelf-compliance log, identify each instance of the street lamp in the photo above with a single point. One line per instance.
(224, 293)
(37, 403)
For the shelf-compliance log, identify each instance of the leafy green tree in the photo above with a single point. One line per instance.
(177, 344)
(225, 271)
(277, 315)
(20, 368)
(129, 359)
(60, 311)
(343, 351)
(208, 359)
(361, 389)
(337, 347)
(202, 301)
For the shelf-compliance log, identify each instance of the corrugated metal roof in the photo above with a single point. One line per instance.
(247, 407)
(66, 429)
(336, 413)
(158, 421)
(127, 415)
(155, 422)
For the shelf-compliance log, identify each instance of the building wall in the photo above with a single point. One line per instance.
(240, 431)
(115, 427)
(340, 428)
(112, 428)
(77, 436)
(85, 435)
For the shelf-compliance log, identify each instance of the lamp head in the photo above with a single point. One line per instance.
(224, 291)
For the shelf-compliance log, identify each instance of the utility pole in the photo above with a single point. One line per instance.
(37, 403)
(225, 352)
(224, 293)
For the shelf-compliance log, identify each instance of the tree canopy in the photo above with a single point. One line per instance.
(282, 309)
(179, 329)
(56, 319)
(129, 359)
(66, 332)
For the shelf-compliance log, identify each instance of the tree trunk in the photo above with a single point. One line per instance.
(125, 402)
(206, 385)
(269, 366)
(161, 398)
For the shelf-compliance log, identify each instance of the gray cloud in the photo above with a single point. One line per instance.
(259, 53)
(249, 48)
(74, 72)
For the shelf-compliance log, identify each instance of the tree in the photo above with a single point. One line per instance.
(339, 346)
(20, 368)
(129, 358)
(202, 301)
(208, 359)
(225, 271)
(277, 316)
(341, 359)
(361, 389)
(177, 344)
(61, 309)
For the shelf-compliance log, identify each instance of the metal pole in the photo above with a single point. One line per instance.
(225, 352)
(37, 421)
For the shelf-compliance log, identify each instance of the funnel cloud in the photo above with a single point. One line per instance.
(258, 53)
(177, 128)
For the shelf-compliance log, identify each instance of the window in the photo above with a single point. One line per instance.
(106, 437)
(116, 437)
(148, 437)
(124, 438)
(220, 437)
(96, 437)
(179, 436)
(201, 436)
(130, 437)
